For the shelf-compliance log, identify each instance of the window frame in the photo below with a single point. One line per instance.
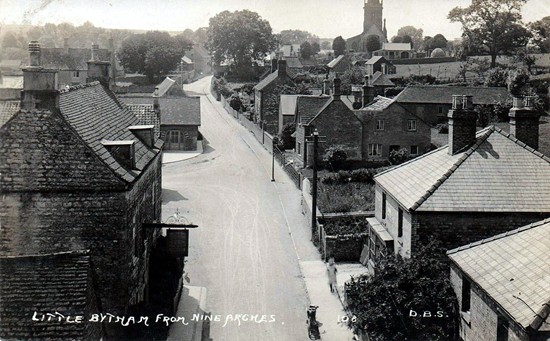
(410, 124)
(380, 124)
(411, 150)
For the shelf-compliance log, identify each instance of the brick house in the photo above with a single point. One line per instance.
(30, 287)
(201, 59)
(379, 64)
(267, 96)
(433, 102)
(502, 285)
(339, 64)
(72, 182)
(333, 118)
(388, 126)
(480, 185)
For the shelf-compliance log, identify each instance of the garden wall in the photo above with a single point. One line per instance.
(423, 60)
(344, 248)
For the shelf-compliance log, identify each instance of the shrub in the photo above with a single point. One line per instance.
(517, 82)
(347, 226)
(399, 156)
(286, 141)
(443, 128)
(335, 156)
(496, 76)
(235, 102)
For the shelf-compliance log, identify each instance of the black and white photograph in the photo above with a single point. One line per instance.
(256, 170)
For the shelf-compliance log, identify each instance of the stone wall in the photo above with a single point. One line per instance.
(344, 248)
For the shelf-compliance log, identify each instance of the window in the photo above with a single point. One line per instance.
(440, 110)
(502, 329)
(400, 224)
(299, 147)
(414, 150)
(375, 149)
(466, 292)
(411, 125)
(379, 124)
(76, 74)
(383, 205)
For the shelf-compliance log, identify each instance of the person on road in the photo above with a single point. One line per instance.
(332, 274)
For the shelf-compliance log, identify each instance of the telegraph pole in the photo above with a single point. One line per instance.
(314, 182)
(273, 146)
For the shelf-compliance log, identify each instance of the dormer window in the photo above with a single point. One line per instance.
(122, 151)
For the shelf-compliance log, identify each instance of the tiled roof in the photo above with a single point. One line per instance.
(380, 79)
(272, 77)
(309, 106)
(173, 111)
(186, 60)
(96, 114)
(335, 61)
(165, 85)
(44, 284)
(514, 269)
(70, 59)
(440, 94)
(378, 104)
(288, 104)
(374, 60)
(146, 115)
(293, 62)
(396, 46)
(497, 174)
(7, 110)
(180, 111)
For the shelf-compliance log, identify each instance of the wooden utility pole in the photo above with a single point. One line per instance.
(315, 139)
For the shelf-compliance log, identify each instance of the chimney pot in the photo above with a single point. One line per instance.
(524, 121)
(34, 53)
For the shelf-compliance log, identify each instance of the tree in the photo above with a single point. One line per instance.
(407, 39)
(373, 43)
(494, 25)
(335, 156)
(325, 45)
(10, 40)
(306, 50)
(239, 38)
(339, 46)
(438, 40)
(416, 34)
(153, 53)
(496, 77)
(541, 34)
(296, 37)
(388, 304)
(397, 39)
(315, 48)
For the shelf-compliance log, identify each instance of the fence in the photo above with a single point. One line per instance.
(294, 175)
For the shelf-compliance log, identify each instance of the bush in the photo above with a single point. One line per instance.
(347, 226)
(235, 102)
(496, 77)
(399, 156)
(335, 156)
(517, 82)
(286, 141)
(443, 128)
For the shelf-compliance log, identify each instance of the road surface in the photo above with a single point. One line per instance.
(245, 251)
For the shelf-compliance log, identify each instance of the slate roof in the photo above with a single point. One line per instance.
(513, 268)
(374, 60)
(378, 104)
(293, 62)
(96, 114)
(146, 115)
(186, 60)
(7, 110)
(497, 174)
(380, 79)
(44, 283)
(335, 61)
(165, 85)
(272, 77)
(287, 104)
(71, 59)
(308, 106)
(173, 111)
(438, 94)
(396, 46)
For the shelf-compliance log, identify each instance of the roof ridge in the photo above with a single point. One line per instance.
(79, 86)
(499, 236)
(521, 144)
(482, 138)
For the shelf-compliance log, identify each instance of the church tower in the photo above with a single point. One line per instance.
(373, 14)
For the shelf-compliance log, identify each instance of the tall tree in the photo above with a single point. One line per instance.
(541, 34)
(315, 48)
(440, 41)
(407, 39)
(305, 50)
(153, 53)
(493, 24)
(416, 34)
(339, 46)
(373, 43)
(10, 40)
(397, 39)
(296, 37)
(239, 38)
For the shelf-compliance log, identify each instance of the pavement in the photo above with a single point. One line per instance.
(171, 156)
(192, 307)
(252, 249)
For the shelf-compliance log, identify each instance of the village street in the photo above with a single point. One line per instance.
(250, 238)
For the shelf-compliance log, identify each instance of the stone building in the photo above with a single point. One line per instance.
(78, 172)
(33, 286)
(477, 186)
(372, 25)
(502, 285)
(267, 96)
(395, 51)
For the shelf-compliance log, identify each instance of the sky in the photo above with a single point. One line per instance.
(325, 18)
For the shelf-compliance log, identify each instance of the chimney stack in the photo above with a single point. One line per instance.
(98, 70)
(281, 66)
(66, 44)
(273, 65)
(462, 124)
(524, 121)
(337, 91)
(368, 91)
(40, 86)
(326, 87)
(156, 105)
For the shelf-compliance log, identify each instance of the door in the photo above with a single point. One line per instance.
(174, 140)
